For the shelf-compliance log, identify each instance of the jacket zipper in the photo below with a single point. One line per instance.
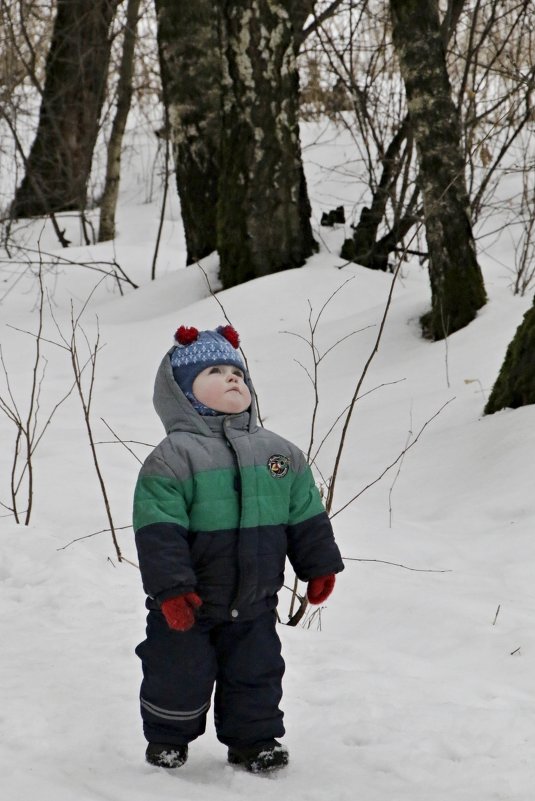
(234, 611)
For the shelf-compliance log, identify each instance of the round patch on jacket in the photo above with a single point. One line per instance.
(278, 465)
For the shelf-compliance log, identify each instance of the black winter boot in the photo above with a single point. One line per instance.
(260, 758)
(165, 755)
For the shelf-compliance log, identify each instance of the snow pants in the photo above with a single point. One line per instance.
(180, 669)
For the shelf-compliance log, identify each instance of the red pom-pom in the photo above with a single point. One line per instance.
(185, 335)
(230, 334)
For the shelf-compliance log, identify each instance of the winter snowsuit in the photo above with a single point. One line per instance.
(218, 506)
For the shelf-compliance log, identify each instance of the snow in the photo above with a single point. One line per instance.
(418, 685)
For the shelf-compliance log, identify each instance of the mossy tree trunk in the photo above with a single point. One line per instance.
(190, 64)
(263, 206)
(457, 287)
(59, 163)
(515, 385)
(108, 203)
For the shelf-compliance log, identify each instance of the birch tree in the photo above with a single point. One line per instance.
(263, 207)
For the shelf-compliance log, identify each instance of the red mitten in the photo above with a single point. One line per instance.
(320, 588)
(180, 611)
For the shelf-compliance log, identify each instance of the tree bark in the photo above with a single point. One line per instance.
(263, 206)
(457, 287)
(59, 163)
(108, 203)
(515, 385)
(190, 65)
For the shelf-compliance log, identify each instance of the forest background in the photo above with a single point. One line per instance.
(245, 160)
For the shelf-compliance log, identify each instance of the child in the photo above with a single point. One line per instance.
(218, 506)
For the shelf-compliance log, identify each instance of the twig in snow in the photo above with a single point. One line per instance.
(330, 493)
(395, 564)
(476, 381)
(390, 466)
(398, 471)
(446, 349)
(94, 534)
(317, 357)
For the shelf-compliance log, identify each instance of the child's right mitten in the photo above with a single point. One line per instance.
(179, 612)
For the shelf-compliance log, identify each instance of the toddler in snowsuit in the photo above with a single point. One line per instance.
(218, 506)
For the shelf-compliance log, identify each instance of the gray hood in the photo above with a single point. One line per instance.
(176, 412)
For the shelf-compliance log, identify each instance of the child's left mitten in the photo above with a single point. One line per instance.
(179, 612)
(320, 588)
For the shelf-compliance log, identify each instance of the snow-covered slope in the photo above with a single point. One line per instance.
(419, 685)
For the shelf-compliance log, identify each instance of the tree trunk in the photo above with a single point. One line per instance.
(515, 385)
(364, 247)
(263, 207)
(190, 66)
(457, 287)
(59, 163)
(108, 203)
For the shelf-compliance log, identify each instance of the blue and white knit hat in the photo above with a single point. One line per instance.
(196, 350)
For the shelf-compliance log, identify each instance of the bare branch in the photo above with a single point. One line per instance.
(122, 442)
(94, 534)
(395, 564)
(396, 460)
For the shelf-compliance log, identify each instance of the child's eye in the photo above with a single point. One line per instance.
(238, 373)
(214, 370)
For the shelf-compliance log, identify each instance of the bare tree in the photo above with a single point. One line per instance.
(457, 288)
(29, 430)
(350, 74)
(110, 194)
(83, 359)
(59, 163)
(25, 31)
(525, 250)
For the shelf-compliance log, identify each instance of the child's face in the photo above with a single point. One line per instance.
(222, 387)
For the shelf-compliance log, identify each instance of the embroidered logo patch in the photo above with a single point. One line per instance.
(278, 465)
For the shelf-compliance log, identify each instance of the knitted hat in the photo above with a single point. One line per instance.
(197, 350)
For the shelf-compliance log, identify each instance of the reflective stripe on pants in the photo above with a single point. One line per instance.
(243, 661)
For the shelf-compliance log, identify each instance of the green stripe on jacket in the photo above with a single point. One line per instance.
(210, 501)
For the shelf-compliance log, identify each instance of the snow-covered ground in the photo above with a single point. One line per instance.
(419, 684)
